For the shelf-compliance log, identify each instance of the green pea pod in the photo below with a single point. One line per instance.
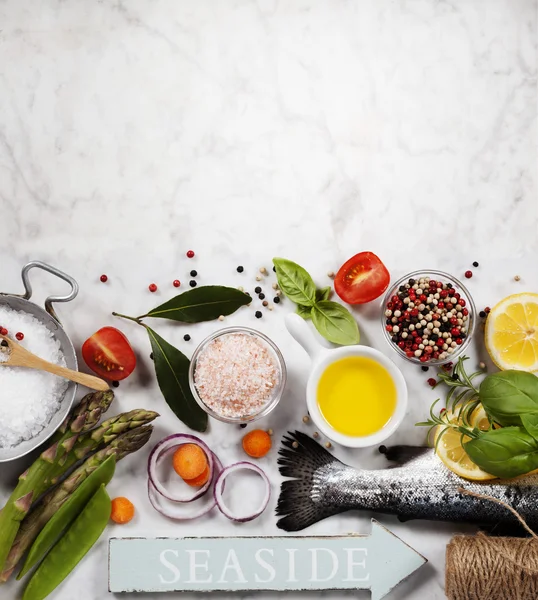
(72, 547)
(67, 513)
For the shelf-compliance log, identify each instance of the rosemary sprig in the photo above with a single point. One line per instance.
(461, 401)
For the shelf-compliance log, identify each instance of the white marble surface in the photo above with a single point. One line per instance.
(133, 131)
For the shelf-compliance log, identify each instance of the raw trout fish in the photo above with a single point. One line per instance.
(421, 488)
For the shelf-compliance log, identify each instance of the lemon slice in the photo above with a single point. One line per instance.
(452, 453)
(512, 333)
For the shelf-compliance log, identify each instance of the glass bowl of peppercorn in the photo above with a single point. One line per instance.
(428, 317)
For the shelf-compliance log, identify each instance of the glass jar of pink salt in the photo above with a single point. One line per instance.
(237, 375)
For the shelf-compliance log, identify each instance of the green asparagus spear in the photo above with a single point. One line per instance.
(124, 444)
(36, 479)
(102, 435)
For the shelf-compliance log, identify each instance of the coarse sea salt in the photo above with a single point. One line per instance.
(236, 374)
(28, 397)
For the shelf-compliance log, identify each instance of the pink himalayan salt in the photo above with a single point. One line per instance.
(236, 374)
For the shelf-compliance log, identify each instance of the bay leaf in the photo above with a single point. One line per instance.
(172, 370)
(204, 303)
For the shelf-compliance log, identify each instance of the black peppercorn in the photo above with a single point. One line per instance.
(243, 425)
(475, 264)
(274, 269)
(240, 269)
(425, 368)
(261, 296)
(187, 337)
(192, 283)
(194, 273)
(257, 289)
(482, 314)
(151, 356)
(412, 282)
(116, 384)
(258, 314)
(276, 299)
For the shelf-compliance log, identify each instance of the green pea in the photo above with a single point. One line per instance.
(71, 548)
(67, 513)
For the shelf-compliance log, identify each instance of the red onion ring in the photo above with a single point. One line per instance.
(175, 510)
(219, 489)
(165, 446)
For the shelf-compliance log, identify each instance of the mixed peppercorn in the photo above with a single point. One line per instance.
(427, 319)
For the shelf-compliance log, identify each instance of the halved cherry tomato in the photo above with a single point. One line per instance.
(108, 353)
(361, 279)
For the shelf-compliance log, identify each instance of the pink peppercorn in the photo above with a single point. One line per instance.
(468, 274)
(431, 381)
(19, 335)
(152, 287)
(176, 283)
(190, 254)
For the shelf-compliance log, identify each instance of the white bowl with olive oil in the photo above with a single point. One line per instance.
(356, 396)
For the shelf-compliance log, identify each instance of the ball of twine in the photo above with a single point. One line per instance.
(480, 567)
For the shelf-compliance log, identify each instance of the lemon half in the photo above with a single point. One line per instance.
(512, 333)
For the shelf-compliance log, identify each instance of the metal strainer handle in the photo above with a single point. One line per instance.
(50, 269)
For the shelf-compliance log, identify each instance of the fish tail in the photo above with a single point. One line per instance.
(299, 458)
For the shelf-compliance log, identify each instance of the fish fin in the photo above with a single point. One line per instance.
(403, 454)
(301, 463)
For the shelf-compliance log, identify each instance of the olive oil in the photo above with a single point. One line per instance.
(356, 396)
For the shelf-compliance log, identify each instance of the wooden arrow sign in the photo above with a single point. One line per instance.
(378, 561)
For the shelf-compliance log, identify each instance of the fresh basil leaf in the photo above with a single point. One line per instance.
(172, 370)
(295, 282)
(323, 293)
(335, 323)
(204, 303)
(509, 394)
(506, 452)
(530, 424)
(304, 311)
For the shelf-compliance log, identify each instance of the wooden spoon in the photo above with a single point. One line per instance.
(17, 356)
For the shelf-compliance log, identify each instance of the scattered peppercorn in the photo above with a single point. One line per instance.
(278, 293)
(258, 289)
(275, 286)
(116, 384)
(306, 419)
(243, 425)
(240, 269)
(270, 431)
(431, 381)
(315, 435)
(176, 283)
(424, 368)
(468, 274)
(330, 274)
(265, 303)
(258, 314)
(104, 278)
(482, 314)
(274, 269)
(4, 344)
(263, 270)
(328, 445)
(192, 283)
(151, 356)
(258, 278)
(295, 444)
(276, 299)
(152, 287)
(475, 264)
(190, 254)
(187, 337)
(19, 335)
(482, 365)
(261, 296)
(221, 318)
(194, 273)
(487, 310)
(517, 278)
